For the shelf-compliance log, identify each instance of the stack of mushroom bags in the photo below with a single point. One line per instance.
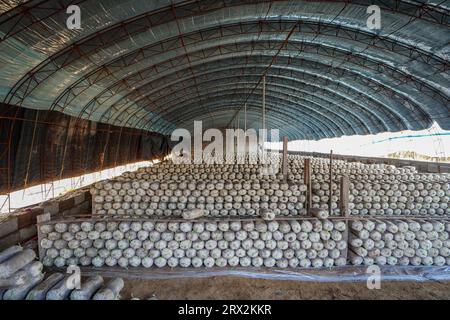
(233, 205)
(22, 277)
(168, 189)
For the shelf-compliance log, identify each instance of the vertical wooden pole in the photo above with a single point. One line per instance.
(330, 210)
(307, 180)
(30, 154)
(264, 104)
(344, 194)
(285, 158)
(245, 117)
(118, 148)
(104, 154)
(68, 135)
(263, 116)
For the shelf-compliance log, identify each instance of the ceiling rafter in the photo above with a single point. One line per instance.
(292, 65)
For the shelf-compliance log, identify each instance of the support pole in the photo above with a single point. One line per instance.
(331, 183)
(264, 104)
(344, 194)
(285, 158)
(30, 154)
(68, 135)
(245, 117)
(307, 181)
(263, 125)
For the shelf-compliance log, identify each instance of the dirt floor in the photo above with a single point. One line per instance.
(246, 288)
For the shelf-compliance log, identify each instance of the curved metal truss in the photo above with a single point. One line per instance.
(158, 65)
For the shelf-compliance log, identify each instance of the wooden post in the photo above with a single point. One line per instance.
(41, 219)
(245, 117)
(344, 194)
(330, 210)
(285, 158)
(307, 180)
(264, 104)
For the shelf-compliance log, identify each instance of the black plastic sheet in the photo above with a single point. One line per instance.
(42, 146)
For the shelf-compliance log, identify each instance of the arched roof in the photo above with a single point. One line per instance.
(159, 65)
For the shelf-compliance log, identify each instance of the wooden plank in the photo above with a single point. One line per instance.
(346, 237)
(51, 207)
(344, 196)
(66, 204)
(307, 181)
(27, 233)
(8, 226)
(330, 210)
(81, 218)
(285, 158)
(154, 272)
(27, 216)
(9, 240)
(79, 198)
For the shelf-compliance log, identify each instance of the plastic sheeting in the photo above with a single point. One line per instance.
(335, 274)
(136, 61)
(348, 272)
(42, 146)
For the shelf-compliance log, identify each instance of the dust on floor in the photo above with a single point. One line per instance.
(246, 288)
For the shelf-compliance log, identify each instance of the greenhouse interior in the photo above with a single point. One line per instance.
(235, 149)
